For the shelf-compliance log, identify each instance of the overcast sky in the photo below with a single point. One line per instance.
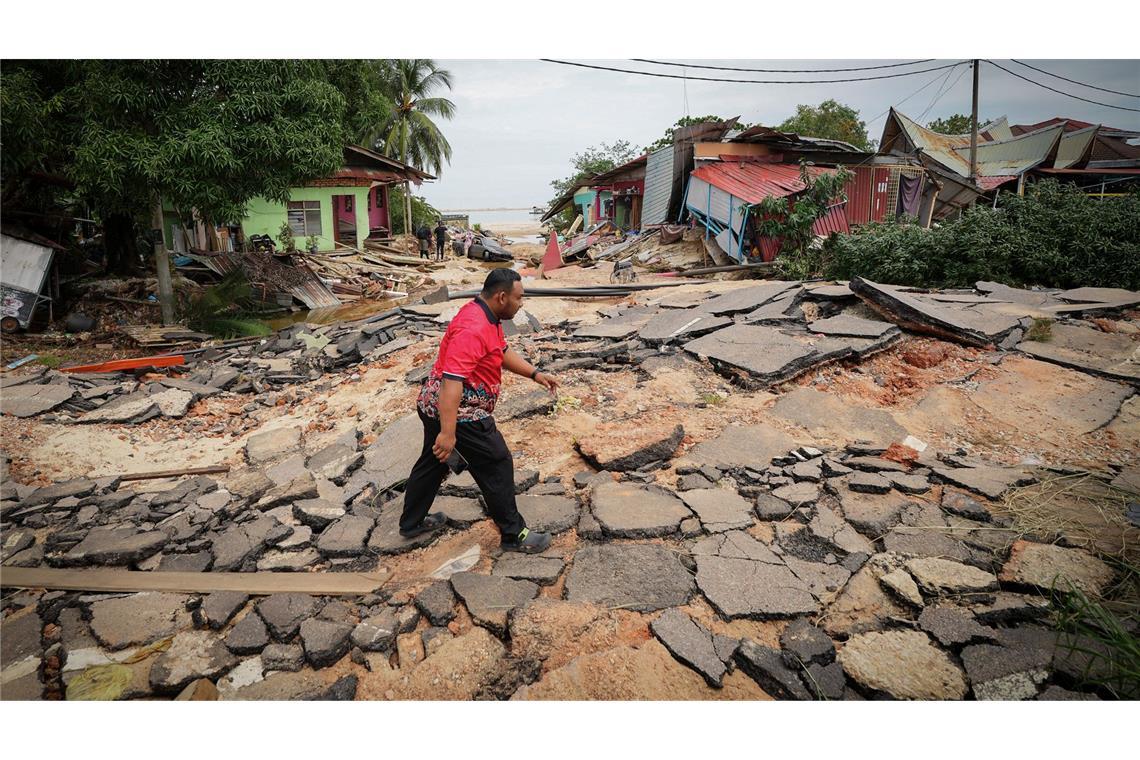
(518, 122)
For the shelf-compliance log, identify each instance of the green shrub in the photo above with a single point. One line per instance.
(1054, 236)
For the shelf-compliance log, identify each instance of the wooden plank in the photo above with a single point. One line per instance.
(104, 580)
(175, 473)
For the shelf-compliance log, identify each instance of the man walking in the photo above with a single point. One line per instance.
(440, 239)
(423, 234)
(455, 406)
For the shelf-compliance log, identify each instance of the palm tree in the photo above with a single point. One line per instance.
(410, 135)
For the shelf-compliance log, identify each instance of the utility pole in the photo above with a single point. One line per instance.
(162, 262)
(974, 128)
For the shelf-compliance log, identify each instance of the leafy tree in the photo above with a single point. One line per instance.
(791, 221)
(684, 121)
(832, 120)
(422, 212)
(958, 124)
(410, 134)
(596, 160)
(201, 135)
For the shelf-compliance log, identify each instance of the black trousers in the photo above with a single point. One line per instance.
(491, 465)
(439, 248)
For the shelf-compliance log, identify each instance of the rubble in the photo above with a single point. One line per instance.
(1046, 566)
(902, 664)
(641, 577)
(631, 511)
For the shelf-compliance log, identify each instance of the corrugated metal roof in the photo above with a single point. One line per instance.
(998, 129)
(658, 187)
(1075, 147)
(300, 282)
(1015, 155)
(753, 182)
(937, 146)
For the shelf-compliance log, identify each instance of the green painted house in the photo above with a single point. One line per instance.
(342, 210)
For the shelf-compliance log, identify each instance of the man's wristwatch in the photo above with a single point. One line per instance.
(534, 374)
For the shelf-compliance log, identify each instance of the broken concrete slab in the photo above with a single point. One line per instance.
(902, 585)
(824, 580)
(763, 355)
(640, 577)
(115, 545)
(626, 449)
(346, 537)
(247, 636)
(741, 446)
(437, 603)
(769, 507)
(677, 325)
(272, 444)
(76, 487)
(747, 298)
(828, 526)
(719, 509)
(970, 326)
(550, 514)
(691, 643)
(325, 642)
(31, 400)
(537, 569)
(626, 510)
(460, 511)
(806, 644)
(283, 613)
(824, 414)
(907, 483)
(288, 561)
(1047, 566)
(766, 667)
(849, 326)
(872, 514)
(138, 618)
(743, 588)
(868, 483)
(902, 664)
(990, 482)
(954, 626)
(490, 599)
(377, 632)
(1100, 295)
(943, 576)
(192, 655)
(335, 462)
(863, 605)
(221, 606)
(388, 461)
(1108, 355)
(520, 405)
(317, 514)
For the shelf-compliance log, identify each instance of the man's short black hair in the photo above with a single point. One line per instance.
(500, 281)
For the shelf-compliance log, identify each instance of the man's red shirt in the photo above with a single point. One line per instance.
(471, 352)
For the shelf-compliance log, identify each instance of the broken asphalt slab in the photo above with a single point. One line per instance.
(1098, 353)
(639, 577)
(766, 355)
(971, 326)
(627, 510)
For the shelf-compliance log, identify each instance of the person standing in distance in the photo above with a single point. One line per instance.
(456, 405)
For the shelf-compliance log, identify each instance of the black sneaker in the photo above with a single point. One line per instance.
(528, 542)
(430, 524)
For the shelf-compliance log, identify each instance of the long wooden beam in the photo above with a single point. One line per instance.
(111, 580)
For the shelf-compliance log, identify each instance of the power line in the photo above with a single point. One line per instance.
(908, 97)
(1061, 92)
(1082, 84)
(748, 81)
(942, 93)
(781, 71)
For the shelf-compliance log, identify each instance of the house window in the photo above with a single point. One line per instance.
(305, 218)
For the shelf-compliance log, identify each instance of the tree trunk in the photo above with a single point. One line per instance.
(162, 263)
(407, 183)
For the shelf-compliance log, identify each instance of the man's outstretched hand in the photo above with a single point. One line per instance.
(549, 382)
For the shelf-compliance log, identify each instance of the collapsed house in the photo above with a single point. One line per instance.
(1009, 156)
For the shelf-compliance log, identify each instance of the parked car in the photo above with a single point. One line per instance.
(483, 248)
